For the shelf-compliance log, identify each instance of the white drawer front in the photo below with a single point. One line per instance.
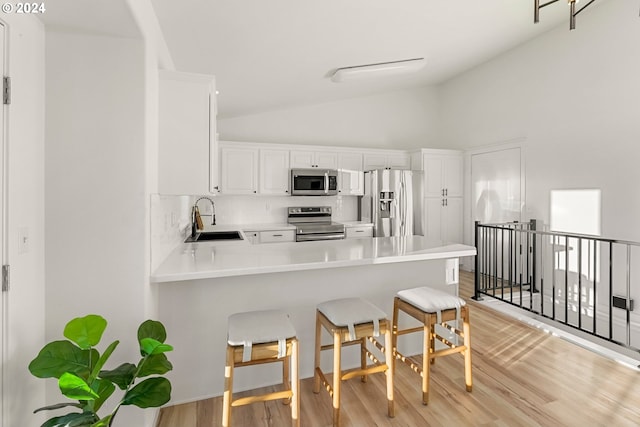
(277, 236)
(366, 231)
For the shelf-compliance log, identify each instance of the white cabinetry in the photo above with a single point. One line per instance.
(187, 151)
(271, 236)
(443, 218)
(359, 231)
(351, 175)
(238, 169)
(443, 175)
(314, 159)
(386, 161)
(442, 193)
(274, 171)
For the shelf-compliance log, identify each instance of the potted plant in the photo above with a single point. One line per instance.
(78, 366)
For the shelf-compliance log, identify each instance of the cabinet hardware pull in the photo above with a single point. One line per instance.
(277, 235)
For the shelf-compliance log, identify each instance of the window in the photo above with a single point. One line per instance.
(576, 211)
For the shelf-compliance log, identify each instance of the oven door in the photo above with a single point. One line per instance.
(314, 182)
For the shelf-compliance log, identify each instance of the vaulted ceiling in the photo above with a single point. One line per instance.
(279, 53)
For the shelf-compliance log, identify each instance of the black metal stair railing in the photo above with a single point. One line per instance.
(581, 281)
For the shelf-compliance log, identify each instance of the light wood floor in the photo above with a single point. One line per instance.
(521, 377)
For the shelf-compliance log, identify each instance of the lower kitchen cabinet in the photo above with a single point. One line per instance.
(271, 236)
(359, 231)
(443, 218)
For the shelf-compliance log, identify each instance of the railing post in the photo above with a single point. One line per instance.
(532, 226)
(476, 295)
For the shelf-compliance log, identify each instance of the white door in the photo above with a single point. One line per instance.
(496, 192)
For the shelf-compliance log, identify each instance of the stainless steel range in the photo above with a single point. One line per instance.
(314, 223)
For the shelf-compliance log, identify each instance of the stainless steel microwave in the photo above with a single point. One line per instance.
(314, 182)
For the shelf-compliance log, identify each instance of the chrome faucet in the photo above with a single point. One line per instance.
(194, 226)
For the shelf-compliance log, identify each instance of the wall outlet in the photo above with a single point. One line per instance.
(452, 270)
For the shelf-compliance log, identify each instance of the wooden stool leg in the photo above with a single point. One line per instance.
(363, 357)
(466, 330)
(390, 361)
(426, 360)
(295, 385)
(285, 378)
(337, 377)
(316, 363)
(394, 331)
(228, 389)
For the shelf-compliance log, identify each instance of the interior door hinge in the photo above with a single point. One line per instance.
(6, 90)
(5, 278)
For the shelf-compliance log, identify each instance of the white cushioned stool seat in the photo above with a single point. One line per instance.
(430, 300)
(352, 311)
(259, 327)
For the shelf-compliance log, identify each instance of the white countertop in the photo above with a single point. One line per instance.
(203, 260)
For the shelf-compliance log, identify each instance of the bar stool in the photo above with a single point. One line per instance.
(352, 321)
(262, 337)
(432, 307)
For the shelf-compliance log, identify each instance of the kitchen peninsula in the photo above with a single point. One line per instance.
(200, 284)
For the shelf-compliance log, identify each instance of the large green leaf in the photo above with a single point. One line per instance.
(103, 359)
(75, 388)
(122, 376)
(104, 389)
(59, 357)
(74, 419)
(150, 393)
(152, 329)
(152, 346)
(86, 331)
(156, 364)
(58, 406)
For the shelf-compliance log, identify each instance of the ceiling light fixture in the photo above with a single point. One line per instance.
(572, 11)
(378, 70)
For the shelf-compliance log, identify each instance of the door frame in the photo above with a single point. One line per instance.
(4, 198)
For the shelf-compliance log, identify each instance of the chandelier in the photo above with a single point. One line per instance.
(572, 10)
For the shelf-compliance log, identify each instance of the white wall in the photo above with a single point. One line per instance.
(25, 140)
(573, 98)
(403, 119)
(96, 200)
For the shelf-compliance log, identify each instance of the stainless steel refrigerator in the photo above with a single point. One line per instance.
(392, 201)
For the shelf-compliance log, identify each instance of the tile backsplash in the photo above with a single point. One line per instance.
(170, 215)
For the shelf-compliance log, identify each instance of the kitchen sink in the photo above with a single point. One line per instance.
(214, 236)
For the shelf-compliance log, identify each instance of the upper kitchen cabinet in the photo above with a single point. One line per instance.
(396, 160)
(443, 175)
(350, 174)
(187, 151)
(313, 159)
(238, 169)
(274, 171)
